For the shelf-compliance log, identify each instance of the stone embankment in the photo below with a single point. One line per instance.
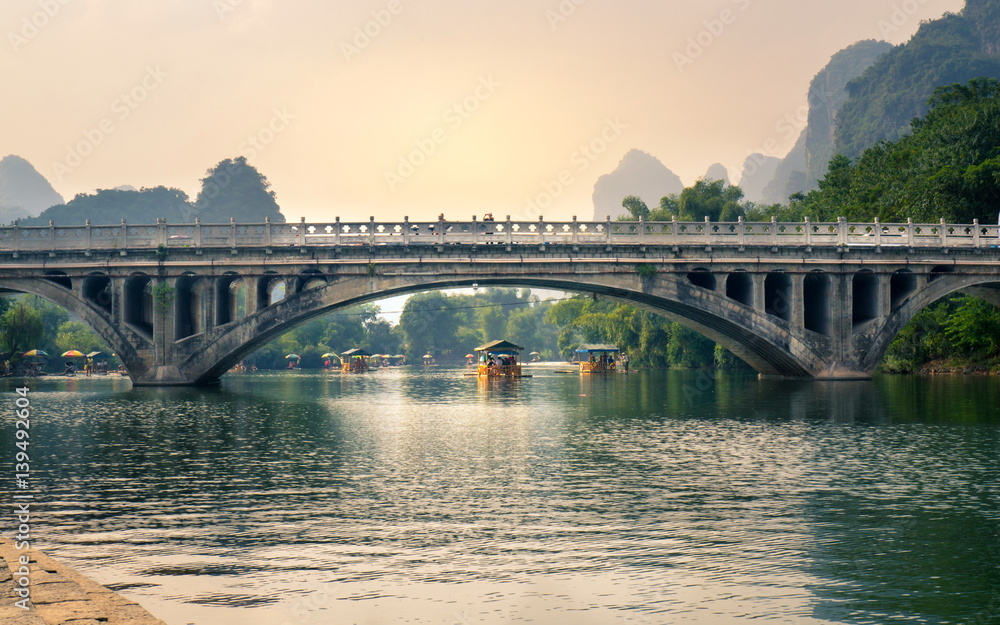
(61, 596)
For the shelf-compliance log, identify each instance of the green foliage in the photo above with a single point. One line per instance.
(893, 91)
(163, 295)
(949, 167)
(78, 335)
(234, 188)
(648, 339)
(955, 327)
(21, 328)
(636, 207)
(452, 325)
(646, 270)
(109, 207)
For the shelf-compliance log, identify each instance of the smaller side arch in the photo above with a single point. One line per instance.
(60, 278)
(739, 288)
(138, 303)
(97, 291)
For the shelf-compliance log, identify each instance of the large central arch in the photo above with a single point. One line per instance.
(763, 342)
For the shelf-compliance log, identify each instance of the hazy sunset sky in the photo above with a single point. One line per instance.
(500, 96)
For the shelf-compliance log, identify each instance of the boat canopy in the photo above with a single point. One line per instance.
(595, 348)
(355, 352)
(500, 347)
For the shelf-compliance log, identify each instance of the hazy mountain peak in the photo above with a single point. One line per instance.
(23, 191)
(639, 173)
(718, 171)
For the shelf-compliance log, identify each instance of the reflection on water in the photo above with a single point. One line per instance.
(414, 496)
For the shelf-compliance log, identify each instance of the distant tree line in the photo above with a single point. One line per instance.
(233, 188)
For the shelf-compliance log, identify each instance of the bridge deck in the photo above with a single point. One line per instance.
(405, 233)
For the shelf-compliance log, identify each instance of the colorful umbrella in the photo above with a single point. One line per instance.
(292, 356)
(428, 356)
(73, 353)
(326, 355)
(534, 354)
(469, 356)
(36, 352)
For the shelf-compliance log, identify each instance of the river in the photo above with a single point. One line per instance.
(419, 495)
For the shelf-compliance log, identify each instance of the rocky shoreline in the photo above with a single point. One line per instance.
(60, 595)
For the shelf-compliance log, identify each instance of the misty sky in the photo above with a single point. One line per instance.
(385, 108)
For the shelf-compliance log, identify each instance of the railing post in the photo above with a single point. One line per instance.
(774, 231)
(741, 231)
(302, 231)
(541, 230)
(124, 235)
(440, 229)
(944, 233)
(232, 233)
(52, 235)
(674, 231)
(406, 229)
(878, 233)
(475, 230)
(88, 236)
(607, 228)
(371, 230)
(909, 231)
(510, 233)
(338, 230)
(708, 231)
(17, 236)
(841, 231)
(267, 231)
(197, 232)
(161, 231)
(976, 240)
(576, 231)
(809, 232)
(642, 228)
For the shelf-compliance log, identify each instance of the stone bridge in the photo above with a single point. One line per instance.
(181, 304)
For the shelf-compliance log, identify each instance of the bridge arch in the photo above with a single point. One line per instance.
(126, 344)
(875, 345)
(763, 343)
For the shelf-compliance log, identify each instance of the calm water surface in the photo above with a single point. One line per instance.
(415, 496)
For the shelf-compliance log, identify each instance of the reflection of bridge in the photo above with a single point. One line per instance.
(180, 304)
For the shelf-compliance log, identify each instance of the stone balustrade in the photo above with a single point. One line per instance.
(740, 234)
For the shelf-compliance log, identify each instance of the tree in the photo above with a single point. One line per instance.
(21, 328)
(78, 335)
(234, 188)
(636, 207)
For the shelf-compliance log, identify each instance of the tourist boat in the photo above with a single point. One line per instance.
(355, 361)
(598, 358)
(500, 359)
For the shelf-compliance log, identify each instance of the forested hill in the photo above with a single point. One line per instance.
(891, 93)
